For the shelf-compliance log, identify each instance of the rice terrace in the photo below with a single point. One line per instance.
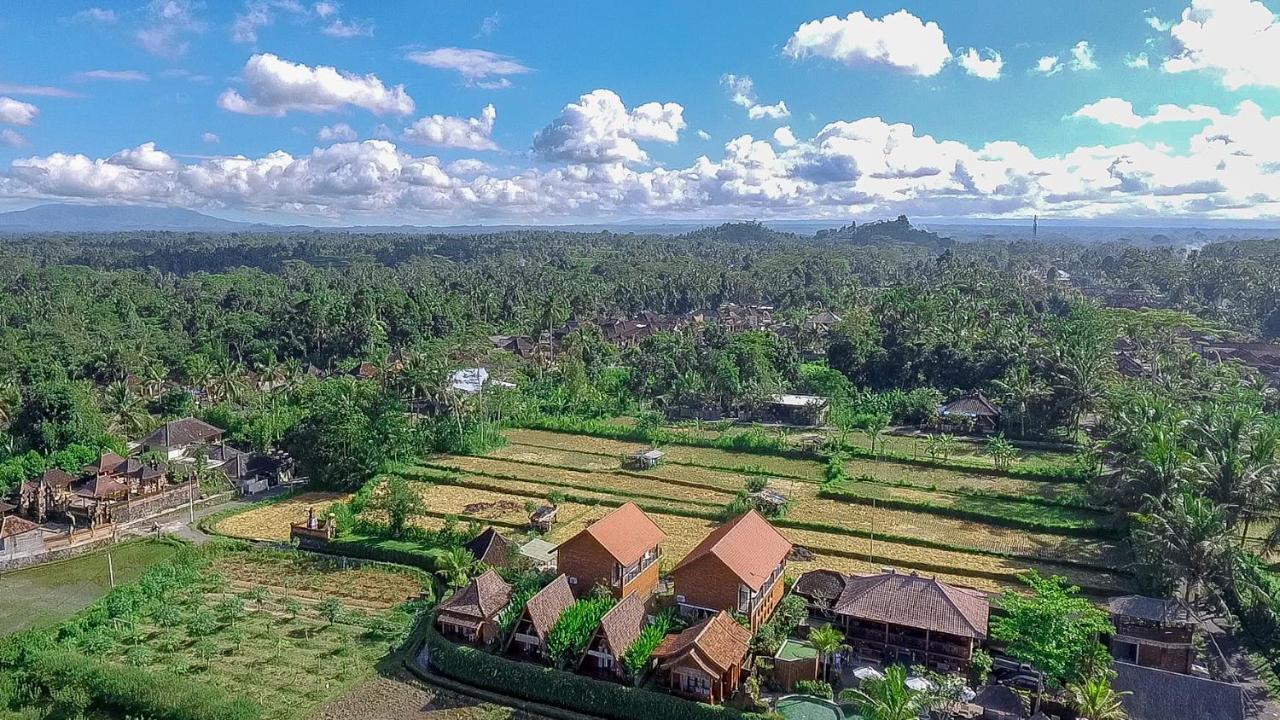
(977, 527)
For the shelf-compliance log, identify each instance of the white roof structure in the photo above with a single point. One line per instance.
(797, 400)
(473, 380)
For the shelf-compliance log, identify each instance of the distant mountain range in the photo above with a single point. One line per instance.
(71, 218)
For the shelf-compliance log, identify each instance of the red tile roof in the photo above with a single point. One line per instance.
(717, 640)
(11, 525)
(482, 598)
(917, 602)
(626, 533)
(748, 545)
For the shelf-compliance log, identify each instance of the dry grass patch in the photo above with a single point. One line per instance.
(271, 522)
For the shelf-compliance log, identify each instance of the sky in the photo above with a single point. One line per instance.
(441, 113)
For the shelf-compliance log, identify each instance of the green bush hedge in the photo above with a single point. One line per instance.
(562, 689)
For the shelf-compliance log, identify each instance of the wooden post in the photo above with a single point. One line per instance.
(111, 569)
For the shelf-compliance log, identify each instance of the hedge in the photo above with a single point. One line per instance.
(563, 689)
(133, 691)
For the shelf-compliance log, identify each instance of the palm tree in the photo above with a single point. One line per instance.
(10, 400)
(887, 698)
(1188, 533)
(1020, 387)
(228, 381)
(455, 565)
(124, 409)
(1096, 700)
(827, 641)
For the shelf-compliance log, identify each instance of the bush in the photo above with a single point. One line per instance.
(816, 688)
(636, 658)
(562, 689)
(573, 630)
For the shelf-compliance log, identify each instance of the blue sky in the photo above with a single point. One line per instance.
(145, 102)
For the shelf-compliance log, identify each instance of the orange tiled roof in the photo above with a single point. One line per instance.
(626, 533)
(718, 640)
(748, 545)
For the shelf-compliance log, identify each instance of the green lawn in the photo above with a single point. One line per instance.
(796, 650)
(48, 594)
(807, 708)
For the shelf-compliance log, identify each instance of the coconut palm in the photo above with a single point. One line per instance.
(124, 409)
(1020, 387)
(1189, 534)
(887, 698)
(455, 565)
(827, 641)
(1096, 700)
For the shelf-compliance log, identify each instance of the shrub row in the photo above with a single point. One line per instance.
(562, 689)
(1078, 528)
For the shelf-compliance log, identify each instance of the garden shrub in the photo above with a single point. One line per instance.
(816, 688)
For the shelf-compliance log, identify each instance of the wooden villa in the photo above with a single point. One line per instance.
(619, 551)
(539, 616)
(737, 568)
(1153, 632)
(704, 662)
(618, 629)
(472, 613)
(490, 548)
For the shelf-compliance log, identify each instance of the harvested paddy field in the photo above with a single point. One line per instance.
(271, 521)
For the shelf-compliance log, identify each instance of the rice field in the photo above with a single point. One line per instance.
(272, 521)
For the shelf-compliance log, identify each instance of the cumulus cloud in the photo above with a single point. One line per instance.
(784, 137)
(477, 67)
(703, 135)
(276, 87)
(899, 40)
(11, 137)
(600, 129)
(865, 166)
(16, 112)
(985, 64)
(1237, 39)
(167, 24)
(455, 132)
(336, 132)
(1137, 61)
(1082, 56)
(1115, 111)
(1048, 65)
(114, 75)
(210, 138)
(742, 92)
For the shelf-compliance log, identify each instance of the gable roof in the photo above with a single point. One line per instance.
(747, 545)
(489, 547)
(57, 477)
(623, 624)
(101, 487)
(1160, 694)
(976, 405)
(917, 602)
(482, 598)
(718, 641)
(179, 433)
(107, 462)
(546, 607)
(1162, 611)
(821, 584)
(12, 525)
(625, 533)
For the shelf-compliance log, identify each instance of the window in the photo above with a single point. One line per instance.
(744, 599)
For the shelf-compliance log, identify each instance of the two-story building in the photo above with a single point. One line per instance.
(737, 568)
(619, 551)
(1153, 632)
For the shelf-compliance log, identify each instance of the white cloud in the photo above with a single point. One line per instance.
(210, 138)
(38, 90)
(1236, 39)
(489, 25)
(343, 29)
(477, 67)
(985, 64)
(784, 137)
(899, 40)
(325, 9)
(11, 137)
(1157, 24)
(168, 23)
(864, 167)
(599, 129)
(455, 132)
(1048, 65)
(742, 92)
(97, 14)
(16, 112)
(703, 135)
(1137, 61)
(1082, 56)
(145, 157)
(276, 87)
(114, 75)
(1115, 111)
(336, 132)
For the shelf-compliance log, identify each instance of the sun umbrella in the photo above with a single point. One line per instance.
(868, 673)
(919, 684)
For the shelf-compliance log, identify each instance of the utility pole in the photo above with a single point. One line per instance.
(1035, 226)
(111, 569)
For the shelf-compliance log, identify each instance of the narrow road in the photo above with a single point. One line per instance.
(181, 523)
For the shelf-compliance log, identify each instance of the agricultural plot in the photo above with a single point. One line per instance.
(272, 521)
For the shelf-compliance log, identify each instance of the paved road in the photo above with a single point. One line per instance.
(180, 522)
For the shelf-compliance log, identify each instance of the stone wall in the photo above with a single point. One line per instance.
(55, 555)
(144, 507)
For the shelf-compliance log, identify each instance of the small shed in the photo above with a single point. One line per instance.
(792, 409)
(644, 460)
(974, 410)
(540, 553)
(769, 502)
(543, 518)
(796, 660)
